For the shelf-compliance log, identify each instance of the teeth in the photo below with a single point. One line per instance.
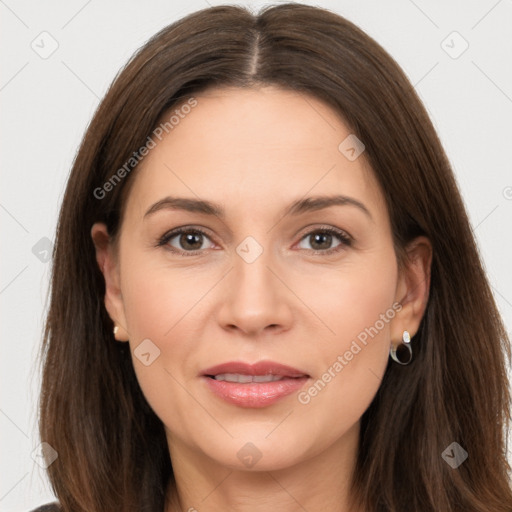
(236, 377)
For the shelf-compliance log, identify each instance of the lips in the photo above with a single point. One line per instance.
(253, 385)
(257, 369)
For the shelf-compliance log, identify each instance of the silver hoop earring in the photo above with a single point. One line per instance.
(402, 354)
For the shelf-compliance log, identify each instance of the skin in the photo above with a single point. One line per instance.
(254, 151)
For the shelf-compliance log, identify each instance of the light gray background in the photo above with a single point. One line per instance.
(46, 104)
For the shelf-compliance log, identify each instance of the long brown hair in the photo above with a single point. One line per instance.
(112, 450)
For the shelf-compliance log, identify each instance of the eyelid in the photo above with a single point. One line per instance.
(313, 228)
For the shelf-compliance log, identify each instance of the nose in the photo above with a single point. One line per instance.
(254, 299)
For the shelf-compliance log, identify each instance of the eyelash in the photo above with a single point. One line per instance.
(345, 239)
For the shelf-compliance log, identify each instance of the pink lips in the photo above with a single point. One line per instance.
(254, 394)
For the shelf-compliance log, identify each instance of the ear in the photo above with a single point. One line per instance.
(412, 288)
(108, 263)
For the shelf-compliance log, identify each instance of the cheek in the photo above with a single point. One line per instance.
(350, 297)
(358, 307)
(163, 304)
(158, 295)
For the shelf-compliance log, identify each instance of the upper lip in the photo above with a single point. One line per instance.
(259, 368)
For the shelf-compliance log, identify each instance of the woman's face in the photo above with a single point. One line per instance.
(258, 280)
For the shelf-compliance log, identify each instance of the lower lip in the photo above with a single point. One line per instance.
(254, 394)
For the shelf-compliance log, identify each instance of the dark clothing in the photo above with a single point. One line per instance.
(49, 507)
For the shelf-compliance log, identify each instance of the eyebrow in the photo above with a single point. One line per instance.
(308, 204)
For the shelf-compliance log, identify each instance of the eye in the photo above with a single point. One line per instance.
(321, 240)
(187, 241)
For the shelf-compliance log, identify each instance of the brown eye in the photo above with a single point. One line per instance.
(185, 240)
(191, 240)
(321, 240)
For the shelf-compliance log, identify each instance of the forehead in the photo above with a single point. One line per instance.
(252, 147)
(266, 122)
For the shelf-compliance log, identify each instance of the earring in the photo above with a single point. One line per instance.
(403, 348)
(120, 333)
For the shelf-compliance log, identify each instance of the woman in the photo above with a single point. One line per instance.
(266, 293)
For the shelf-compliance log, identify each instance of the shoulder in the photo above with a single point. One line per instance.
(49, 507)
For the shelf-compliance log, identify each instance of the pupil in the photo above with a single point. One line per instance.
(325, 237)
(189, 240)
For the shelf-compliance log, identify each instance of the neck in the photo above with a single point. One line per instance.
(319, 482)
